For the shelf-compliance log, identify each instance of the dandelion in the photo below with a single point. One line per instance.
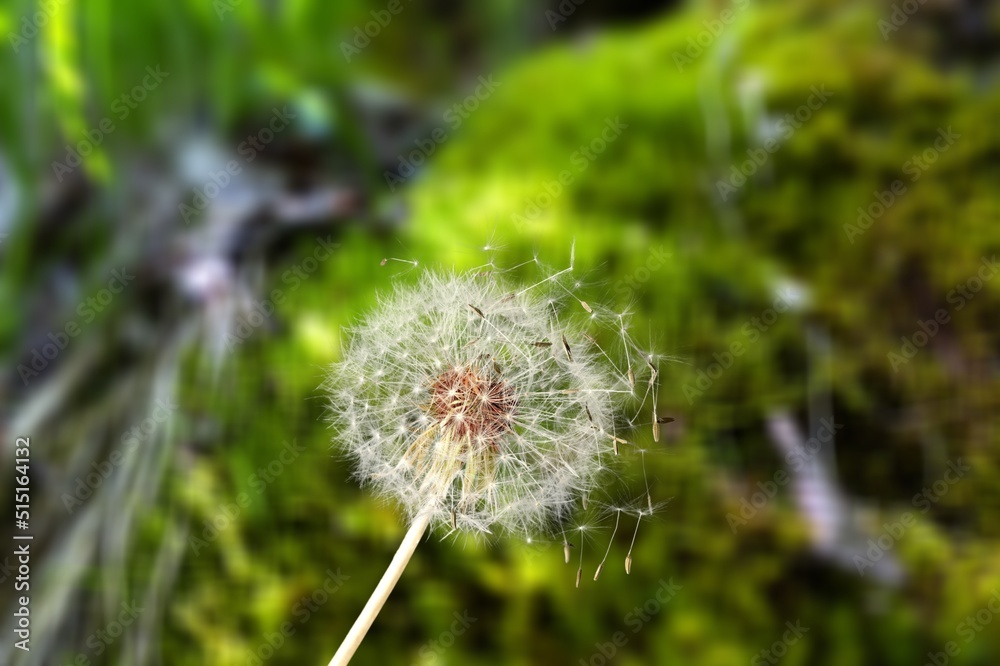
(478, 408)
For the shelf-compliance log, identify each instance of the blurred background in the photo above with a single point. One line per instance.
(797, 202)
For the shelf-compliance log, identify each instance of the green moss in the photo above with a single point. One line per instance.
(655, 186)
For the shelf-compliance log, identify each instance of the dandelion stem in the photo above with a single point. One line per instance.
(382, 591)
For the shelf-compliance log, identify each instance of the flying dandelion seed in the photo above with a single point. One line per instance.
(477, 408)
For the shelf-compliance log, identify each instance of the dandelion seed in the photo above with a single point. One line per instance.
(386, 260)
(579, 570)
(657, 421)
(618, 517)
(565, 343)
(542, 344)
(649, 497)
(583, 303)
(477, 310)
(628, 557)
(616, 441)
(652, 373)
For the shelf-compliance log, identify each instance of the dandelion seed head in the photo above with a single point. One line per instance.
(485, 403)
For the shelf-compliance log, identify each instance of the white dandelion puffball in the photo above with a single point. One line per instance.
(482, 405)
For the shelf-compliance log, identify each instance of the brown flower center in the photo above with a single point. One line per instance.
(473, 405)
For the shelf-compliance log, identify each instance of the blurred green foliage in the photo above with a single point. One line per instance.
(653, 187)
